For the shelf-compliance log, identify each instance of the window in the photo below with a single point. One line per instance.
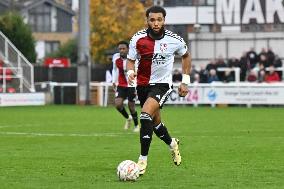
(173, 3)
(40, 18)
(184, 2)
(210, 2)
(262, 27)
(199, 2)
(205, 28)
(68, 3)
(51, 46)
(159, 2)
(169, 3)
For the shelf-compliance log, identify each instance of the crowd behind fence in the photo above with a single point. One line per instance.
(265, 66)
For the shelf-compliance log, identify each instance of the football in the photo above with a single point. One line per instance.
(127, 170)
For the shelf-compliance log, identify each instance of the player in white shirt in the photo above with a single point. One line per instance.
(155, 48)
(121, 88)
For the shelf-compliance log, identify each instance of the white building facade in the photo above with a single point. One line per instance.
(227, 28)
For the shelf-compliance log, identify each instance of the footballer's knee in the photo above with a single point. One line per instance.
(118, 103)
(151, 106)
(131, 106)
(119, 106)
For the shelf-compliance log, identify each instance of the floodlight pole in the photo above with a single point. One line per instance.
(84, 62)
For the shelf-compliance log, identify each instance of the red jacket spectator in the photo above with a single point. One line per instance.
(272, 76)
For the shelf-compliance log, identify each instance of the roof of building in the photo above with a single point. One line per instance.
(23, 5)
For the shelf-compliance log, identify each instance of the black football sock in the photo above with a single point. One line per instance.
(146, 132)
(135, 119)
(123, 112)
(162, 132)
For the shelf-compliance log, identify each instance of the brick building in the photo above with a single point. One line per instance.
(51, 21)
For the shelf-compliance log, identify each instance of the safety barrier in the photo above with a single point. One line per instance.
(211, 94)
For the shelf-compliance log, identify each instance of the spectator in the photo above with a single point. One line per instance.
(203, 74)
(211, 65)
(272, 75)
(260, 69)
(270, 56)
(229, 76)
(252, 76)
(261, 76)
(196, 78)
(233, 62)
(263, 58)
(220, 63)
(212, 76)
(177, 76)
(193, 72)
(252, 58)
(244, 65)
(278, 64)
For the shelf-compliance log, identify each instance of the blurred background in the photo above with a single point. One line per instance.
(231, 42)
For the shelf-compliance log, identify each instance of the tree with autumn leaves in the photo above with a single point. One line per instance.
(113, 21)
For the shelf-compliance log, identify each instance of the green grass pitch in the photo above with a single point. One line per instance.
(80, 147)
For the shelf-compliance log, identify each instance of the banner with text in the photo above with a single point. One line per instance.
(230, 94)
(22, 99)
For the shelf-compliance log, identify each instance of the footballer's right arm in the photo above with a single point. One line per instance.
(131, 57)
(131, 71)
(114, 74)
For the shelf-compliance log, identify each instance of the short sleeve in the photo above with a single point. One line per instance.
(114, 68)
(132, 53)
(182, 48)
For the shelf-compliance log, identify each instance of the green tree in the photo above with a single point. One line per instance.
(67, 50)
(19, 33)
(112, 21)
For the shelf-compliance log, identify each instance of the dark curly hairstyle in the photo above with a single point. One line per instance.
(123, 43)
(156, 9)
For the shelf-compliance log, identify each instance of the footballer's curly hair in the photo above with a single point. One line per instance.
(123, 43)
(156, 9)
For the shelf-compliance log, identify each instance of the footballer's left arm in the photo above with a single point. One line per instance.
(186, 63)
(186, 68)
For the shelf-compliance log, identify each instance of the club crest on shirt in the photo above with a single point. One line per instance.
(163, 47)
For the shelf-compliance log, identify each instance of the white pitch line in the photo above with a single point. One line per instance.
(4, 126)
(90, 135)
(66, 135)
(14, 126)
(113, 135)
(32, 125)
